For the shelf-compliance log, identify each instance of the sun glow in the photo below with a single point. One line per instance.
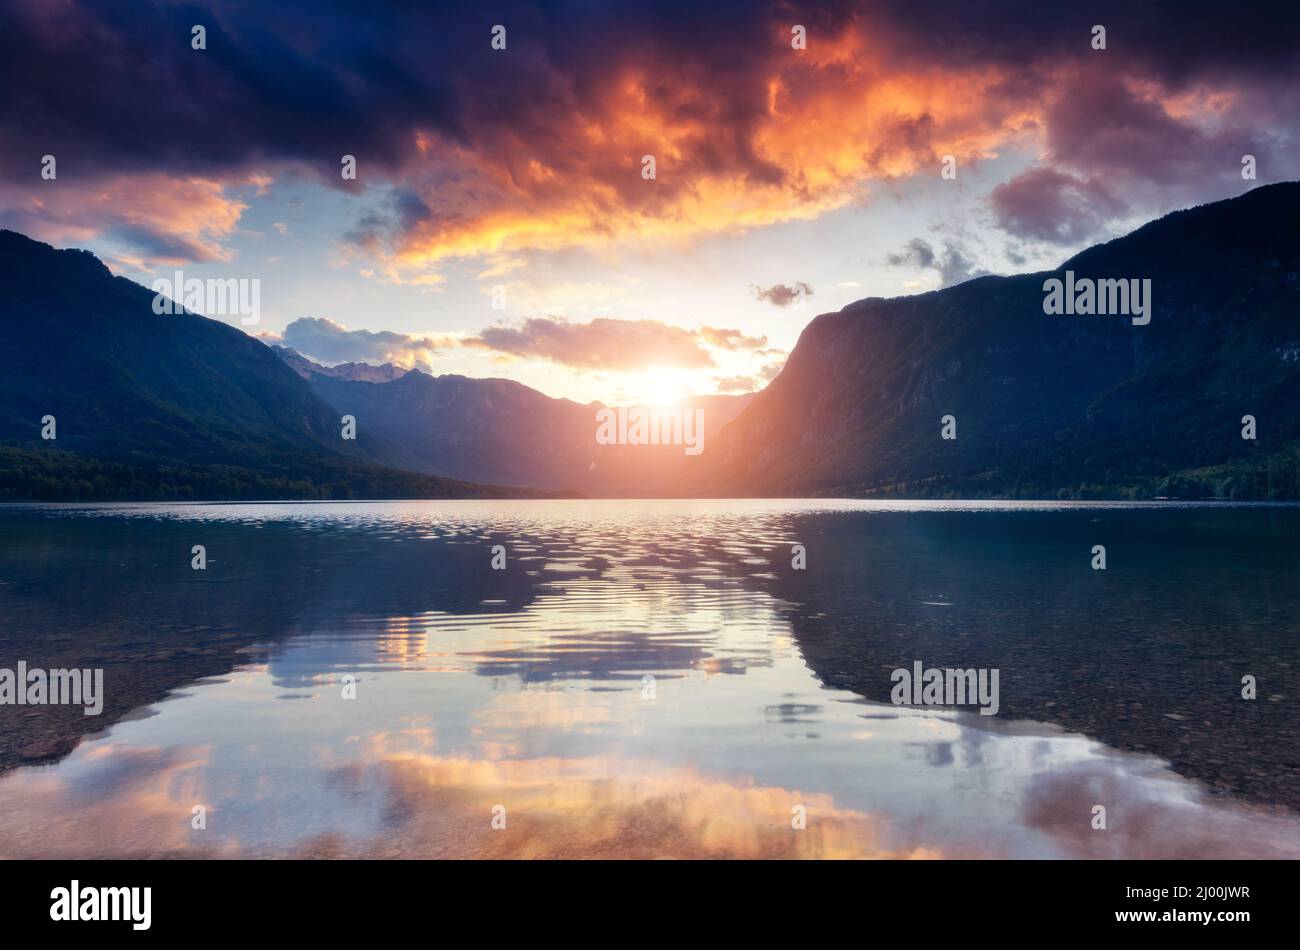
(657, 387)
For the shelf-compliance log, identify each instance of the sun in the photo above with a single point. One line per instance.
(658, 387)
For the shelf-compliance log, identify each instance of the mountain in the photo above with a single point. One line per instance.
(357, 372)
(158, 406)
(1044, 406)
(502, 432)
(1051, 406)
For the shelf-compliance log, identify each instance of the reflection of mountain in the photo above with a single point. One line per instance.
(149, 406)
(1059, 406)
(133, 605)
(500, 432)
(1145, 656)
(106, 592)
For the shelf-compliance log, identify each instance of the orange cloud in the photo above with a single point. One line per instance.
(494, 152)
(594, 807)
(442, 806)
(162, 220)
(800, 134)
(145, 810)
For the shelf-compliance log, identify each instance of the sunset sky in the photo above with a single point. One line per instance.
(777, 169)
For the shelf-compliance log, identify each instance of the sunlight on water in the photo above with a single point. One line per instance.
(643, 679)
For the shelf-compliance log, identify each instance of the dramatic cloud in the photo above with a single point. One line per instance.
(328, 342)
(782, 295)
(601, 344)
(465, 151)
(154, 219)
(606, 343)
(1117, 148)
(1050, 205)
(601, 807)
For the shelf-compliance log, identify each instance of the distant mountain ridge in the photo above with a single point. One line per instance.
(358, 372)
(180, 406)
(503, 432)
(1051, 406)
(161, 406)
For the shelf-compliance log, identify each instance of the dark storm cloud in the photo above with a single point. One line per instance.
(117, 82)
(1176, 42)
(540, 145)
(118, 85)
(402, 210)
(1054, 206)
(1115, 149)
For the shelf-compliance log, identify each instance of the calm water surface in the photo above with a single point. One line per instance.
(651, 679)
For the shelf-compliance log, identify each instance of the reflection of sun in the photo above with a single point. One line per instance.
(657, 387)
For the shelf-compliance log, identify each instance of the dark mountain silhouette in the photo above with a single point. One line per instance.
(181, 406)
(1051, 406)
(169, 406)
(501, 431)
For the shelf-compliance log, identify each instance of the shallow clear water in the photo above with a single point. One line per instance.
(652, 678)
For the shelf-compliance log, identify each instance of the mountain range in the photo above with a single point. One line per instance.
(1036, 405)
(168, 407)
(500, 431)
(1051, 406)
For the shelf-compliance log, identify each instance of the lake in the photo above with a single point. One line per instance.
(653, 679)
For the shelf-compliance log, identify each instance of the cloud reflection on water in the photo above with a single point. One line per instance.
(525, 689)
